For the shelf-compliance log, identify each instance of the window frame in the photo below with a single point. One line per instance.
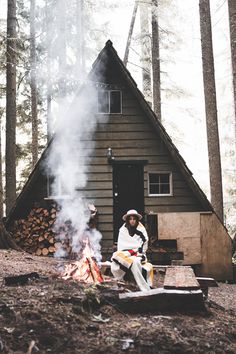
(58, 195)
(170, 181)
(109, 103)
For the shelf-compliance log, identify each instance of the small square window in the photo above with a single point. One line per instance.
(109, 101)
(55, 188)
(160, 183)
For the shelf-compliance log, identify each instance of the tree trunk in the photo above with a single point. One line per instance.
(11, 106)
(232, 26)
(49, 77)
(61, 13)
(80, 56)
(1, 174)
(145, 50)
(6, 241)
(156, 71)
(33, 85)
(211, 108)
(131, 28)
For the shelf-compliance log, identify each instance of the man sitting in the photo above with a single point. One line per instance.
(131, 252)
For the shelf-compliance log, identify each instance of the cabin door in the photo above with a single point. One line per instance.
(128, 192)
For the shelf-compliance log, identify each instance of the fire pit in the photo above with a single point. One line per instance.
(86, 268)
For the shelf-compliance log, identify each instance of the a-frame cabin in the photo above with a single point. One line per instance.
(147, 173)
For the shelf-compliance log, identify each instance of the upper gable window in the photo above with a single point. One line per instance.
(109, 101)
(55, 189)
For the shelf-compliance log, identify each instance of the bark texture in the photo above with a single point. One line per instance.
(11, 106)
(61, 44)
(156, 70)
(1, 174)
(80, 38)
(211, 108)
(6, 240)
(145, 49)
(232, 26)
(131, 28)
(33, 85)
(48, 63)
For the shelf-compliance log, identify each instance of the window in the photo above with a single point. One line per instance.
(109, 101)
(160, 183)
(55, 189)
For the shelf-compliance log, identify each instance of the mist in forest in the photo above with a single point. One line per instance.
(183, 108)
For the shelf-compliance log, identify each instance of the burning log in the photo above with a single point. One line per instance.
(86, 269)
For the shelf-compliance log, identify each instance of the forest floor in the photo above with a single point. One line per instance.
(50, 315)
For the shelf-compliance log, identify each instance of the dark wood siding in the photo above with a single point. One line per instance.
(132, 137)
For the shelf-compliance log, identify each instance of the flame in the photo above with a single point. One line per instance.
(86, 269)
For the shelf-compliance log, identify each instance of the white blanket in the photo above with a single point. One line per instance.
(127, 242)
(131, 255)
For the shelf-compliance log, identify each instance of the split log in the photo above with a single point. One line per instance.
(162, 300)
(35, 233)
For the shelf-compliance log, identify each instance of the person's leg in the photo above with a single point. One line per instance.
(149, 274)
(116, 271)
(136, 269)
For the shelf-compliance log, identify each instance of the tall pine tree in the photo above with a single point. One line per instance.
(156, 70)
(232, 26)
(211, 108)
(33, 85)
(11, 106)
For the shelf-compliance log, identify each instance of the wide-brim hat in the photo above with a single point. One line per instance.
(132, 212)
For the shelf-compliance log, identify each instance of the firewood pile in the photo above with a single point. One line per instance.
(35, 233)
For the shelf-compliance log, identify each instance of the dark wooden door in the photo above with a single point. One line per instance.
(128, 192)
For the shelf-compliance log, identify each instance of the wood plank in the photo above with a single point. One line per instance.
(127, 143)
(162, 300)
(105, 226)
(105, 217)
(169, 200)
(103, 193)
(98, 185)
(207, 282)
(101, 202)
(102, 176)
(107, 243)
(154, 162)
(128, 135)
(161, 167)
(217, 264)
(124, 127)
(172, 208)
(180, 277)
(128, 152)
(185, 228)
(124, 118)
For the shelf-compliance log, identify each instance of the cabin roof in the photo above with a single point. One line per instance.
(109, 51)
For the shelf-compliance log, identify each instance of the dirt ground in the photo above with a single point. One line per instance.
(50, 315)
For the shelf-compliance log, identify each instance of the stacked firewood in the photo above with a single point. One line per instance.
(35, 234)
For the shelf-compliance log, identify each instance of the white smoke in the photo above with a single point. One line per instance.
(68, 162)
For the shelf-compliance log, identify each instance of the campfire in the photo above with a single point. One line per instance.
(86, 268)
